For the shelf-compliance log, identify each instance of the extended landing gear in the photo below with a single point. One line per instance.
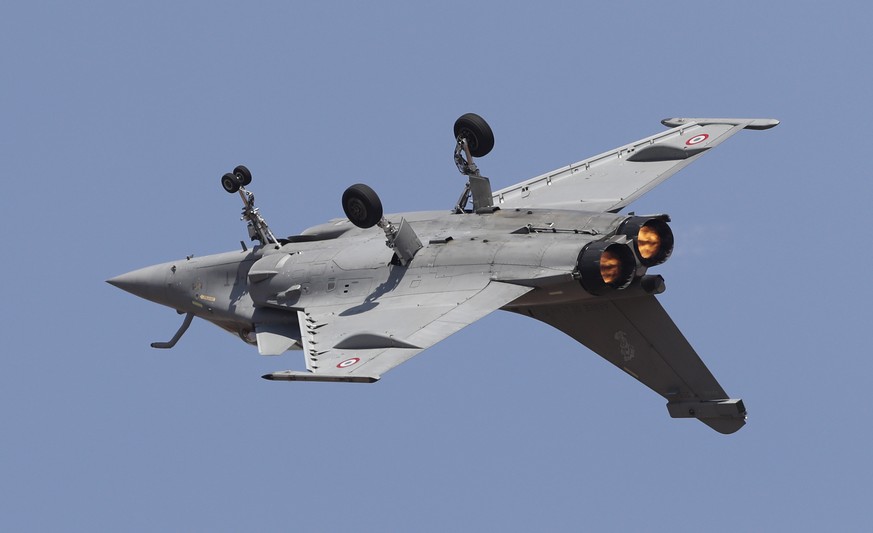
(362, 205)
(233, 181)
(364, 209)
(473, 129)
(474, 138)
(236, 181)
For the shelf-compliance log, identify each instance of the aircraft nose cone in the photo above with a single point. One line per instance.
(148, 283)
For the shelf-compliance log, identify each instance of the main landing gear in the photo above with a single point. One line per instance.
(474, 138)
(476, 133)
(363, 207)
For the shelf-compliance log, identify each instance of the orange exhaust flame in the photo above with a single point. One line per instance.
(610, 267)
(648, 242)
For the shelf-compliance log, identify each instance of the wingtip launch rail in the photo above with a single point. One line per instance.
(746, 123)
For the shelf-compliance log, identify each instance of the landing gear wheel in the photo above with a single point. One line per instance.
(244, 175)
(230, 183)
(362, 205)
(478, 133)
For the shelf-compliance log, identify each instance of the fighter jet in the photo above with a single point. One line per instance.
(358, 296)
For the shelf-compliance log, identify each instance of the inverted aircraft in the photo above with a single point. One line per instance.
(358, 296)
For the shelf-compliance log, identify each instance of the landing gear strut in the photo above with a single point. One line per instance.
(364, 209)
(236, 181)
(474, 138)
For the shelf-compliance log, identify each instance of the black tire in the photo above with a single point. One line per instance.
(362, 205)
(244, 175)
(230, 183)
(478, 133)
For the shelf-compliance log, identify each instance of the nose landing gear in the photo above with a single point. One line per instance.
(236, 181)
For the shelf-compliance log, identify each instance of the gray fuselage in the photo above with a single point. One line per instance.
(337, 262)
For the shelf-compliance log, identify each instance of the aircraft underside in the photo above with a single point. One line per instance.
(360, 295)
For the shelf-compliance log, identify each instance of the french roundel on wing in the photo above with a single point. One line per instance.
(349, 362)
(697, 139)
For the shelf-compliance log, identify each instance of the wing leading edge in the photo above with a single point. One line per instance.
(638, 336)
(614, 179)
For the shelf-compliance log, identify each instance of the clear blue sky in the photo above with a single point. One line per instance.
(119, 118)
